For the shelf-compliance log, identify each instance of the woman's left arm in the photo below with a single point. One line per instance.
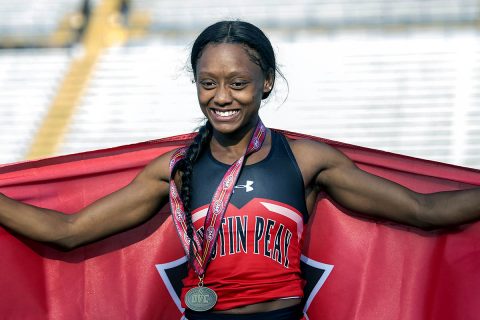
(357, 190)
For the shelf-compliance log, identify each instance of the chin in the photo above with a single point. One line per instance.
(226, 128)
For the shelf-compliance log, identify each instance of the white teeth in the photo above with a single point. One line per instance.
(225, 113)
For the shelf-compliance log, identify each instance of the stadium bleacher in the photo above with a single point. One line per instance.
(191, 14)
(28, 78)
(363, 72)
(136, 93)
(401, 95)
(394, 97)
(25, 23)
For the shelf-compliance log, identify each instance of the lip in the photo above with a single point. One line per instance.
(220, 118)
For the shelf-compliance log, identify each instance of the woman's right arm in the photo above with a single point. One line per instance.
(121, 210)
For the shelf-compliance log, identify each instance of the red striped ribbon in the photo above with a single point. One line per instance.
(202, 248)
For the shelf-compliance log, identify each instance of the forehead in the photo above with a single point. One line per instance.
(227, 57)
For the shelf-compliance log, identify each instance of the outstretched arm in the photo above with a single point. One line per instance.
(121, 210)
(357, 190)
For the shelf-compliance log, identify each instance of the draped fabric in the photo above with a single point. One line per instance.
(355, 267)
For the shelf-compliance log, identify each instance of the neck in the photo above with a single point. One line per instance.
(230, 147)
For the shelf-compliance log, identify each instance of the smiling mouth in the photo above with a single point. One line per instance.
(225, 114)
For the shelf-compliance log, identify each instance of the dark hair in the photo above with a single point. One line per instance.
(193, 151)
(260, 50)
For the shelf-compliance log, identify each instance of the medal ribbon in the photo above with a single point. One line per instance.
(202, 248)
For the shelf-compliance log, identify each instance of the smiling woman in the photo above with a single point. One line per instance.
(240, 194)
(232, 78)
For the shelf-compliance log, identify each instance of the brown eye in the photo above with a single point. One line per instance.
(208, 84)
(237, 85)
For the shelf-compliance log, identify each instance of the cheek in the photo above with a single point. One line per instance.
(248, 98)
(203, 97)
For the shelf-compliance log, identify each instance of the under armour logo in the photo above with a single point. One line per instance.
(248, 186)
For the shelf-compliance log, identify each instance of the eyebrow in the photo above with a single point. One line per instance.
(229, 75)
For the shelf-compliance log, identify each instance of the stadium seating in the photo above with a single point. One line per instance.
(395, 94)
(191, 14)
(29, 79)
(400, 76)
(40, 23)
(136, 93)
(403, 97)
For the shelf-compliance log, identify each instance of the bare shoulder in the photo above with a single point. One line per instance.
(310, 151)
(314, 157)
(158, 168)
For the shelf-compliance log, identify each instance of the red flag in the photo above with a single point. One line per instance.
(356, 268)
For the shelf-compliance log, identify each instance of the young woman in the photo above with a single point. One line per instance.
(235, 160)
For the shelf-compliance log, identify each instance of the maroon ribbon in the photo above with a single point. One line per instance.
(202, 250)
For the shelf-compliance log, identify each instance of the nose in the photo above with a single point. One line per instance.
(222, 96)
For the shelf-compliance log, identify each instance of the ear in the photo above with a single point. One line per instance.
(268, 84)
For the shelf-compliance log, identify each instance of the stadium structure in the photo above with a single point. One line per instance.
(400, 76)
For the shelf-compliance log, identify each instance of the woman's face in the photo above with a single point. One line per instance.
(230, 87)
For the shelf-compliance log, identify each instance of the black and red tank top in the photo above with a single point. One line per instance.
(257, 253)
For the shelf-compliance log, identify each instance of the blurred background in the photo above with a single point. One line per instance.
(401, 76)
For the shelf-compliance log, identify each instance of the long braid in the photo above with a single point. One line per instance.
(194, 150)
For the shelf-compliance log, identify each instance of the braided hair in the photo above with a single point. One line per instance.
(194, 150)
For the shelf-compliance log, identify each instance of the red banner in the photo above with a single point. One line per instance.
(356, 268)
